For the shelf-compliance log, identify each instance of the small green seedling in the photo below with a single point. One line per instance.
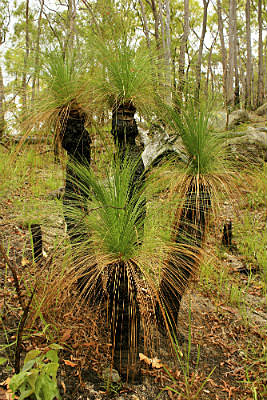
(38, 377)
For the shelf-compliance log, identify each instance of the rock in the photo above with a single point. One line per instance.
(218, 120)
(262, 110)
(111, 375)
(252, 145)
(238, 117)
(161, 144)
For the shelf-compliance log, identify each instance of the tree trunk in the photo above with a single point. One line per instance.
(124, 320)
(237, 80)
(76, 141)
(209, 69)
(181, 72)
(260, 88)
(26, 57)
(2, 106)
(145, 24)
(200, 51)
(189, 230)
(37, 53)
(230, 81)
(248, 102)
(223, 51)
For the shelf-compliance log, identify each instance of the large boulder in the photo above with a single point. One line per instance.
(219, 118)
(159, 144)
(262, 110)
(237, 117)
(250, 145)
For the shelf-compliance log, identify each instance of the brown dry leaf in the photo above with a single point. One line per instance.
(66, 335)
(155, 362)
(70, 363)
(24, 261)
(144, 358)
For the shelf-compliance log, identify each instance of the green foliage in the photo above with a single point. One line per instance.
(205, 153)
(38, 377)
(114, 212)
(127, 75)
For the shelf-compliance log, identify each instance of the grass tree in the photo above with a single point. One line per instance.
(125, 85)
(198, 177)
(63, 107)
(121, 255)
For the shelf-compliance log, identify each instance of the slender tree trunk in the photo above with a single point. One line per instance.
(26, 57)
(200, 51)
(145, 24)
(156, 23)
(260, 88)
(230, 81)
(181, 73)
(237, 80)
(248, 58)
(209, 70)
(168, 46)
(2, 106)
(223, 51)
(37, 54)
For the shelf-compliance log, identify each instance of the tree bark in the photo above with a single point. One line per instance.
(124, 309)
(230, 80)
(260, 88)
(26, 57)
(2, 106)
(37, 53)
(189, 230)
(223, 51)
(181, 73)
(248, 102)
(145, 24)
(200, 52)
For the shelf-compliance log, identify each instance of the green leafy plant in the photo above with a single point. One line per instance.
(38, 376)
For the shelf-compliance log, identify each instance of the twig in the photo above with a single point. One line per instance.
(15, 276)
(20, 332)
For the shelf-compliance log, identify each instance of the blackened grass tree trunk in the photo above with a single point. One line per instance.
(75, 139)
(190, 226)
(124, 312)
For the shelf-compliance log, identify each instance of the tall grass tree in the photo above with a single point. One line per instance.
(203, 172)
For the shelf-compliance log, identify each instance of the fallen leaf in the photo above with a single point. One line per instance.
(70, 363)
(24, 262)
(66, 335)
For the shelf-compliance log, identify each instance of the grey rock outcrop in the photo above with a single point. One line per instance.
(218, 120)
(262, 110)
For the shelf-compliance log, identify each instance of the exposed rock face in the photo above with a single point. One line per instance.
(237, 117)
(248, 145)
(262, 110)
(159, 145)
(251, 145)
